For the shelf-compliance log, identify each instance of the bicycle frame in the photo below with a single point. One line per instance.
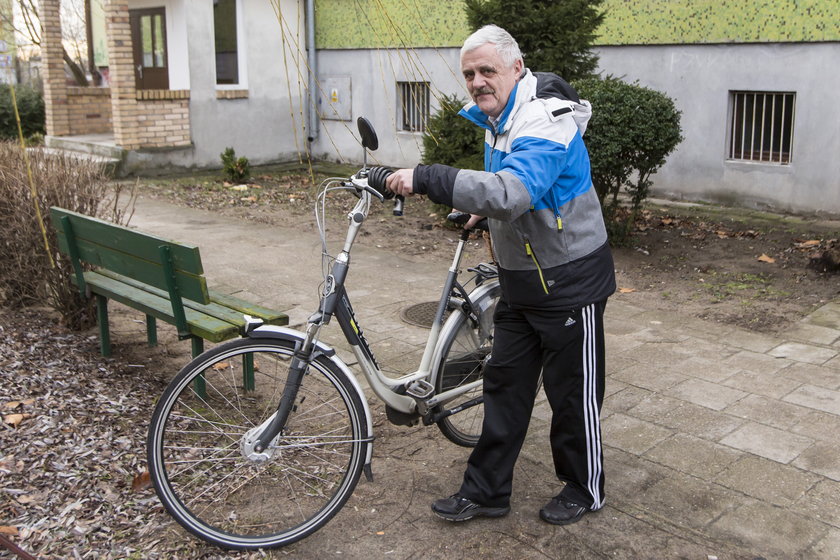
(266, 464)
(335, 301)
(419, 394)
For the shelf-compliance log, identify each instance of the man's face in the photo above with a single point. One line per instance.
(489, 80)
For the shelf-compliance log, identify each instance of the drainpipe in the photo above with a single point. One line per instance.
(313, 72)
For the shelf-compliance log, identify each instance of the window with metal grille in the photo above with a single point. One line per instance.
(413, 111)
(761, 128)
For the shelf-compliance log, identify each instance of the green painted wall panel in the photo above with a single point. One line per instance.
(652, 22)
(356, 24)
(360, 24)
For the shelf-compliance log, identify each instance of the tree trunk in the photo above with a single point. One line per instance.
(77, 71)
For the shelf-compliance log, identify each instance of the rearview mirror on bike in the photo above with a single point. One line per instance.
(376, 175)
(368, 134)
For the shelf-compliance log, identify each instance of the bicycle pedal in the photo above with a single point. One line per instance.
(420, 389)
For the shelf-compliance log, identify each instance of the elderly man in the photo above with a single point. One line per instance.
(555, 269)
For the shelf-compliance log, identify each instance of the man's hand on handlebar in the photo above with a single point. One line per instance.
(474, 219)
(401, 182)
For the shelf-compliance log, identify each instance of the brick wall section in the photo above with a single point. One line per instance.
(139, 123)
(89, 110)
(52, 70)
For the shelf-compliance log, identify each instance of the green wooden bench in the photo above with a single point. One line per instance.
(162, 278)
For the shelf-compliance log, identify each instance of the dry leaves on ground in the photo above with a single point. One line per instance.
(72, 442)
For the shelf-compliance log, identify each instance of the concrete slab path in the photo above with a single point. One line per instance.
(719, 442)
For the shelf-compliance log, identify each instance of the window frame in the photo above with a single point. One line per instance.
(757, 117)
(241, 59)
(407, 116)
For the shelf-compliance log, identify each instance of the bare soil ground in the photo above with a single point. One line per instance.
(72, 441)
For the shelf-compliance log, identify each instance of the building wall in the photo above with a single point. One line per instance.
(258, 117)
(144, 119)
(372, 91)
(699, 79)
(89, 110)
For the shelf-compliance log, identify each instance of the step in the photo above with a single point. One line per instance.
(112, 165)
(94, 144)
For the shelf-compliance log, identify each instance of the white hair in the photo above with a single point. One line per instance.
(506, 45)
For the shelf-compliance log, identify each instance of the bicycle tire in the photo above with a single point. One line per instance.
(465, 348)
(197, 452)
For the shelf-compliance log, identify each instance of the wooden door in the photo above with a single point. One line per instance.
(148, 35)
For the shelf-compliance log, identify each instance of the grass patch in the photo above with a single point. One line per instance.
(744, 286)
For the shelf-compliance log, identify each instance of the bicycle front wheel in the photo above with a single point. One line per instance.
(201, 456)
(465, 348)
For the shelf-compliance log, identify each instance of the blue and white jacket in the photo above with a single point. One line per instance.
(545, 219)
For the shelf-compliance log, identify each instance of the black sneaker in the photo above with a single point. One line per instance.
(459, 508)
(560, 511)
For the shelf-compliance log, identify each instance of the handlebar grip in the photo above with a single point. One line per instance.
(399, 201)
(459, 218)
(376, 178)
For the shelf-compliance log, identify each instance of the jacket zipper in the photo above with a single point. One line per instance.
(530, 252)
(493, 147)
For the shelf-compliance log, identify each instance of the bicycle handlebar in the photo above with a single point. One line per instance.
(376, 177)
(461, 218)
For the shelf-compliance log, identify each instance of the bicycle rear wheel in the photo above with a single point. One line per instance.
(205, 469)
(465, 348)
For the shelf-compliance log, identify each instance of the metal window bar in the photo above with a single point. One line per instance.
(761, 129)
(790, 133)
(772, 128)
(761, 140)
(782, 130)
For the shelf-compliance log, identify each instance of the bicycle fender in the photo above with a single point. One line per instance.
(291, 335)
(477, 295)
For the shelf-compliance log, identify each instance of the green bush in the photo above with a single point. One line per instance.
(553, 36)
(236, 169)
(28, 275)
(30, 104)
(632, 131)
(453, 140)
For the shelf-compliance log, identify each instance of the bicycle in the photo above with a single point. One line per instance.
(259, 442)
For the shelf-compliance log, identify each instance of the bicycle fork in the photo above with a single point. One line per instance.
(303, 355)
(297, 370)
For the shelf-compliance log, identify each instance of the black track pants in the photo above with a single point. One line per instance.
(568, 347)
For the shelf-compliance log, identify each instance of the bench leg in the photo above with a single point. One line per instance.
(102, 319)
(248, 372)
(197, 345)
(199, 384)
(151, 330)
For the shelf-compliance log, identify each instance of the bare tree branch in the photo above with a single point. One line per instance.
(32, 29)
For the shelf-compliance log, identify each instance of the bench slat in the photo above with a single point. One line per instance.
(132, 253)
(216, 308)
(268, 315)
(200, 324)
(185, 256)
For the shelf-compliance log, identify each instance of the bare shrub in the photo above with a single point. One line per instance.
(27, 274)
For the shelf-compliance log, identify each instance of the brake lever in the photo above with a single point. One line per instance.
(361, 183)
